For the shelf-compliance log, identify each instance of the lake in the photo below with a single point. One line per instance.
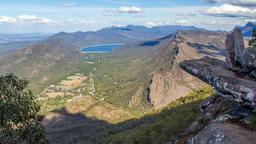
(106, 48)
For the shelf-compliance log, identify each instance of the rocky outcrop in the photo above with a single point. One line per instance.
(231, 53)
(239, 58)
(230, 113)
(226, 82)
(224, 133)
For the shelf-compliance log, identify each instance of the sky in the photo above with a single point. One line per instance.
(51, 16)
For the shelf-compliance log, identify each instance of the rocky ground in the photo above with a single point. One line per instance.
(229, 116)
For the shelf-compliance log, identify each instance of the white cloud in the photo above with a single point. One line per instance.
(34, 19)
(183, 22)
(227, 10)
(186, 15)
(235, 2)
(159, 23)
(109, 12)
(150, 24)
(5, 19)
(77, 22)
(129, 10)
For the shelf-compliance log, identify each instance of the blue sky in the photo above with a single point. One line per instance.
(50, 16)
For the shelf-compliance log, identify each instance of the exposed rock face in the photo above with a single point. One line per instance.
(230, 53)
(239, 58)
(215, 105)
(230, 111)
(249, 58)
(226, 82)
(224, 133)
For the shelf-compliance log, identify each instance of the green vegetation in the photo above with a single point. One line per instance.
(19, 118)
(161, 127)
(53, 103)
(252, 42)
(87, 120)
(252, 124)
(116, 76)
(107, 115)
(128, 71)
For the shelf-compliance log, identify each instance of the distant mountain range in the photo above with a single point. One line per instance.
(247, 29)
(126, 34)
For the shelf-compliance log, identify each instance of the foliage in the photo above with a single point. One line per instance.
(165, 124)
(252, 124)
(19, 118)
(252, 42)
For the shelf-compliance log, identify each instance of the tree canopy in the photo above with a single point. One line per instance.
(19, 118)
(252, 42)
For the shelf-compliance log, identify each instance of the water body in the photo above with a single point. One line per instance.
(106, 48)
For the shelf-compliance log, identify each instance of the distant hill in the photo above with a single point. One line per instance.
(247, 29)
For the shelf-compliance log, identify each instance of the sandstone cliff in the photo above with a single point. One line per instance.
(186, 45)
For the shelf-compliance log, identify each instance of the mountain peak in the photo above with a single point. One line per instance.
(247, 29)
(250, 24)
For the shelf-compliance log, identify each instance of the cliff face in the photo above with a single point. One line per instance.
(186, 45)
(230, 114)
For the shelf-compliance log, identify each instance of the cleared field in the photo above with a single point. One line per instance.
(72, 86)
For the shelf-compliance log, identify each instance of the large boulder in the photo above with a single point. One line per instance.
(238, 45)
(239, 58)
(227, 83)
(234, 50)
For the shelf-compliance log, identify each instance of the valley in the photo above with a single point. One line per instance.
(135, 92)
(128, 72)
(117, 90)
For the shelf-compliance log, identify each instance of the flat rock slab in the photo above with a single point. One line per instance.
(224, 133)
(226, 82)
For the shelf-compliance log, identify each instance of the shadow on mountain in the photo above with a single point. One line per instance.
(208, 49)
(150, 43)
(159, 127)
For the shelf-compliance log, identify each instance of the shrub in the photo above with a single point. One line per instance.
(252, 42)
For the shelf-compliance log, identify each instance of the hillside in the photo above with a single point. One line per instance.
(87, 120)
(173, 83)
(143, 72)
(59, 55)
